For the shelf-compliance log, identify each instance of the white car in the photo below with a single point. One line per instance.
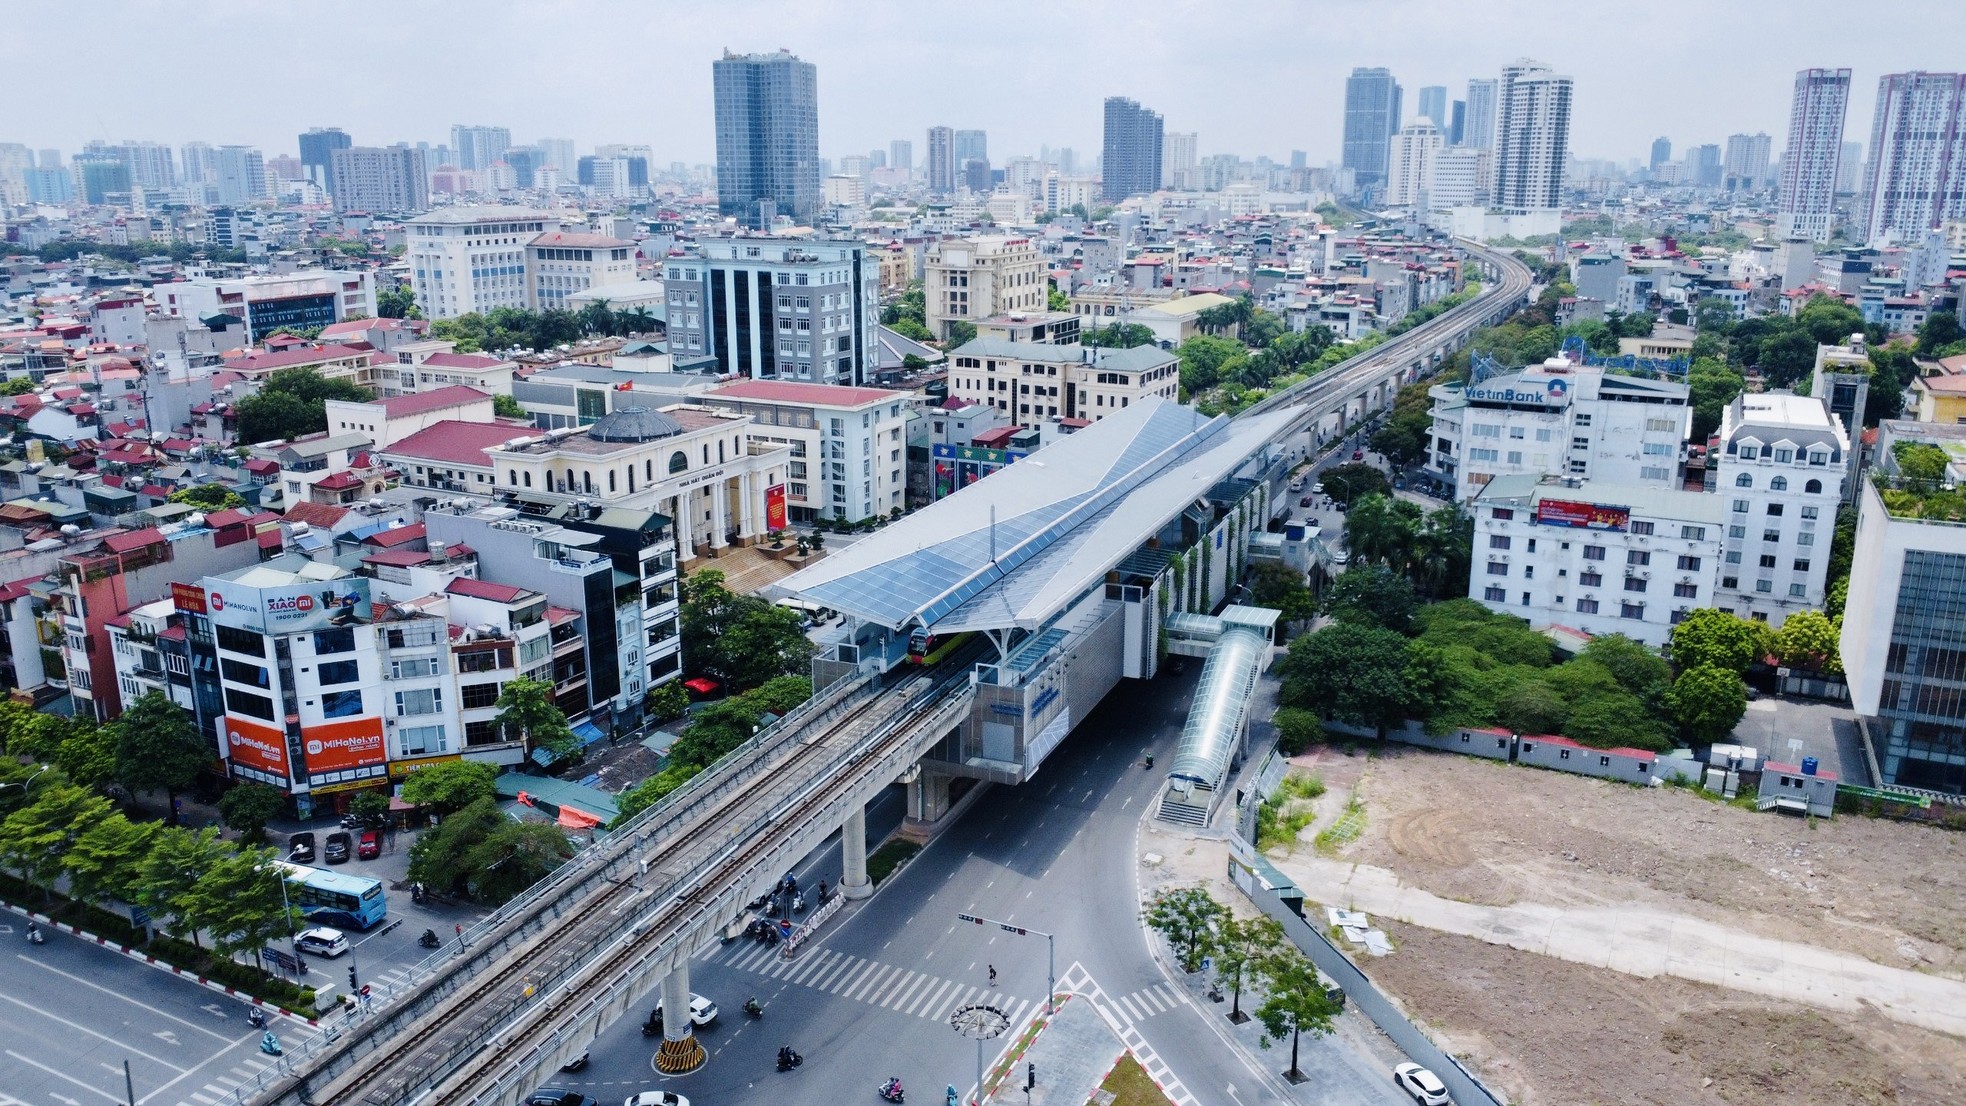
(655, 1098)
(701, 1010)
(1425, 1087)
(1341, 558)
(1317, 488)
(322, 941)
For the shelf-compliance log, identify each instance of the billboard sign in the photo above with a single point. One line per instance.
(189, 597)
(775, 518)
(337, 746)
(256, 745)
(290, 608)
(1550, 392)
(1583, 516)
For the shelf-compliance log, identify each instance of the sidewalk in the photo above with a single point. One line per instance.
(1073, 1054)
(1645, 943)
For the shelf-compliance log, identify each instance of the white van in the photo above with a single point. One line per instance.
(322, 941)
(1297, 483)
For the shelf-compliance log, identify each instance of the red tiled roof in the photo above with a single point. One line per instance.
(463, 361)
(1796, 770)
(262, 464)
(323, 515)
(340, 481)
(781, 391)
(231, 516)
(401, 558)
(15, 589)
(991, 438)
(454, 396)
(280, 359)
(135, 539)
(456, 442)
(401, 535)
(485, 589)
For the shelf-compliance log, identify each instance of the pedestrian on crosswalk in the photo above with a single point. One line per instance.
(993, 975)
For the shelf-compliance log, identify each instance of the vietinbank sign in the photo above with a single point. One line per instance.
(290, 608)
(1553, 392)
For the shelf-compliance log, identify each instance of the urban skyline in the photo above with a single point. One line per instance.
(389, 95)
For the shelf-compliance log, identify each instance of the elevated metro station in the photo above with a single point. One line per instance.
(1064, 570)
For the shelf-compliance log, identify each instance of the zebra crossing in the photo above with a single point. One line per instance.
(221, 1090)
(888, 986)
(1123, 1013)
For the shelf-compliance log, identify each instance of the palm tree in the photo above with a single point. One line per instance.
(635, 320)
(597, 318)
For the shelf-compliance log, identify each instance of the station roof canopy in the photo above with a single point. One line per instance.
(1015, 548)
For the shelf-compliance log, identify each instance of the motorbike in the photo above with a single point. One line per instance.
(890, 1091)
(256, 1018)
(653, 1026)
(954, 1100)
(270, 1044)
(754, 1008)
(429, 939)
(1150, 760)
(799, 903)
(34, 935)
(788, 1059)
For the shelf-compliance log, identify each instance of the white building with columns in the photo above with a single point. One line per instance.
(703, 467)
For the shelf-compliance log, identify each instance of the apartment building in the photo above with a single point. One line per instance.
(1780, 467)
(415, 368)
(471, 259)
(778, 308)
(970, 279)
(1559, 419)
(561, 264)
(848, 457)
(307, 299)
(378, 179)
(1034, 383)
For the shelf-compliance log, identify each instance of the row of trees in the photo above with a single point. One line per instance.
(68, 249)
(291, 403)
(509, 327)
(1248, 952)
(712, 734)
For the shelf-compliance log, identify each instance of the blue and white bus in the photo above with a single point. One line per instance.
(333, 898)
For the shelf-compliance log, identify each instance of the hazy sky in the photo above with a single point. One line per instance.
(1252, 78)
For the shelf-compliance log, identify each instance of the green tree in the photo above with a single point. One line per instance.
(450, 786)
(1708, 701)
(1204, 359)
(178, 857)
(1353, 673)
(1186, 917)
(370, 809)
(1282, 589)
(666, 702)
(912, 329)
(1711, 385)
(526, 707)
(247, 808)
(1710, 636)
(1810, 640)
(239, 901)
(912, 306)
(1056, 300)
(653, 790)
(159, 748)
(1787, 358)
(1348, 483)
(1940, 332)
(1371, 595)
(960, 334)
(18, 386)
(106, 860)
(291, 403)
(513, 857)
(1297, 729)
(1295, 1002)
(738, 640)
(397, 303)
(1923, 466)
(34, 837)
(208, 497)
(86, 753)
(1636, 667)
(1119, 336)
(505, 407)
(1242, 946)
(437, 858)
(1381, 530)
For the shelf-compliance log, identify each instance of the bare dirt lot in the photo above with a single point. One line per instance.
(1477, 831)
(1547, 1032)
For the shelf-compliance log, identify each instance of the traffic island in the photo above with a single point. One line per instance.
(680, 1057)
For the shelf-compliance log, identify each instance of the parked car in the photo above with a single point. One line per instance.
(556, 1096)
(1317, 488)
(656, 1098)
(321, 941)
(1341, 558)
(1358, 455)
(300, 848)
(337, 850)
(369, 846)
(1305, 502)
(1425, 1087)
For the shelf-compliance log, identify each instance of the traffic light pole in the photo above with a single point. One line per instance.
(1050, 954)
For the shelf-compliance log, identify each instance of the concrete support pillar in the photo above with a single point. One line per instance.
(719, 513)
(680, 1051)
(853, 851)
(928, 796)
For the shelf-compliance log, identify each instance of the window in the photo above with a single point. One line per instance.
(1495, 594)
(1774, 510)
(1516, 432)
(1686, 591)
(1779, 484)
(1634, 583)
(248, 704)
(234, 640)
(1768, 560)
(1809, 512)
(477, 696)
(1740, 506)
(1497, 568)
(1604, 762)
(1498, 541)
(1583, 420)
(421, 740)
(1771, 535)
(1765, 587)
(1637, 557)
(1737, 531)
(678, 461)
(1580, 443)
(1593, 552)
(1657, 449)
(334, 641)
(1689, 564)
(338, 672)
(1805, 538)
(412, 667)
(1590, 579)
(486, 661)
(1802, 564)
(1693, 533)
(1745, 480)
(1631, 610)
(1502, 513)
(341, 704)
(243, 673)
(1586, 606)
(1813, 487)
(428, 700)
(1733, 556)
(1730, 582)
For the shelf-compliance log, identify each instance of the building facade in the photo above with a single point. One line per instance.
(1410, 171)
(379, 179)
(848, 454)
(1745, 164)
(971, 279)
(1036, 383)
(1532, 137)
(1132, 161)
(470, 259)
(767, 109)
(942, 163)
(561, 264)
(1805, 201)
(1916, 177)
(778, 308)
(317, 147)
(1780, 467)
(1372, 114)
(306, 299)
(1479, 129)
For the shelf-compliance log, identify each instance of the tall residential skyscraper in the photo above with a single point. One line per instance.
(479, 147)
(1479, 131)
(1916, 177)
(380, 180)
(1532, 137)
(1661, 152)
(240, 174)
(1745, 164)
(901, 154)
(1180, 163)
(941, 159)
(1371, 117)
(317, 149)
(1849, 167)
(1132, 152)
(197, 162)
(767, 137)
(1433, 105)
(1703, 165)
(151, 164)
(971, 146)
(559, 154)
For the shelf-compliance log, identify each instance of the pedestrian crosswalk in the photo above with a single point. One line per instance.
(224, 1090)
(1123, 1010)
(889, 986)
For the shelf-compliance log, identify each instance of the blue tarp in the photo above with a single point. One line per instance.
(589, 733)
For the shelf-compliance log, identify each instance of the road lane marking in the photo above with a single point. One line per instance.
(64, 1077)
(115, 994)
(85, 1029)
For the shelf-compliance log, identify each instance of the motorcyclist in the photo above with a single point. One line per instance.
(33, 933)
(269, 1044)
(256, 1018)
(1150, 758)
(891, 1090)
(751, 1006)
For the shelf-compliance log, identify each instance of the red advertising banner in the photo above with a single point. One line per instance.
(256, 745)
(189, 597)
(775, 507)
(333, 746)
(1584, 516)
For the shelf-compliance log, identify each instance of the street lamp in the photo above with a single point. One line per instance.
(979, 1023)
(22, 784)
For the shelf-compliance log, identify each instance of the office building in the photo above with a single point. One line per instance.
(1703, 166)
(901, 154)
(1181, 161)
(1410, 173)
(382, 180)
(778, 308)
(470, 259)
(1532, 137)
(151, 164)
(839, 437)
(1035, 383)
(48, 185)
(1479, 131)
(767, 137)
(526, 162)
(942, 163)
(1661, 153)
(1372, 114)
(559, 154)
(562, 264)
(971, 279)
(479, 147)
(197, 163)
(1559, 419)
(317, 148)
(99, 177)
(1745, 165)
(239, 175)
(971, 145)
(1903, 621)
(1132, 160)
(304, 300)
(1433, 106)
(1460, 178)
(1457, 122)
(1916, 177)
